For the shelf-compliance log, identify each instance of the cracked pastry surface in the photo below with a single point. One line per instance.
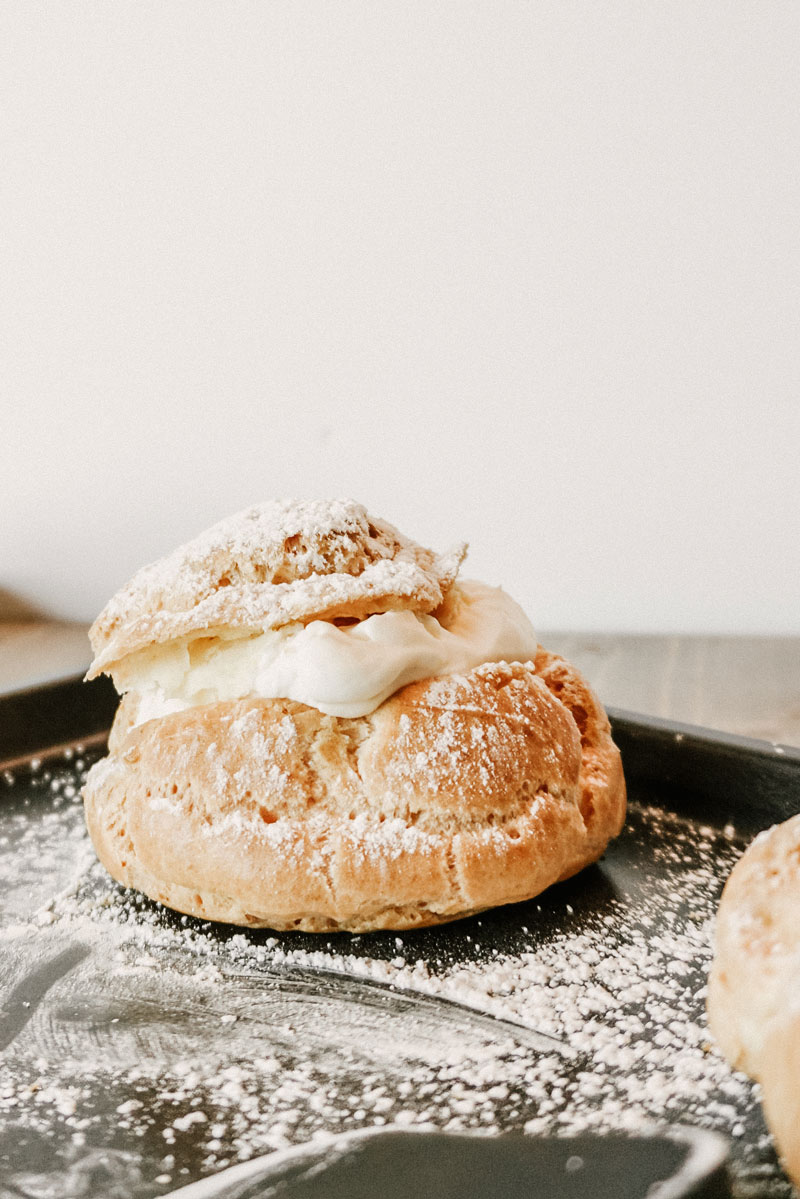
(475, 787)
(276, 562)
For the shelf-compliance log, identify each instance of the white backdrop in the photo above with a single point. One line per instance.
(524, 273)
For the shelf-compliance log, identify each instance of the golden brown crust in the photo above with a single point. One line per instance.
(456, 794)
(602, 782)
(274, 563)
(753, 990)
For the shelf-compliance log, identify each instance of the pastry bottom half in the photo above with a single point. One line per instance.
(456, 795)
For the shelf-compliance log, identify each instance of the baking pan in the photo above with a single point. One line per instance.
(143, 1051)
(678, 1164)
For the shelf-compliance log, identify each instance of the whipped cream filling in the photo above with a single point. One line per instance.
(342, 669)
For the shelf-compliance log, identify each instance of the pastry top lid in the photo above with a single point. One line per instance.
(272, 564)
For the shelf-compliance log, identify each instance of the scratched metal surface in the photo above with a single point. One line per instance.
(142, 1050)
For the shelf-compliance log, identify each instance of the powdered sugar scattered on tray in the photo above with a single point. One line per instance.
(155, 1049)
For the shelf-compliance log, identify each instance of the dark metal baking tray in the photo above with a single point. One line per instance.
(142, 1050)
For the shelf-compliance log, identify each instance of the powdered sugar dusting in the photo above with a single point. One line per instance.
(273, 563)
(155, 1049)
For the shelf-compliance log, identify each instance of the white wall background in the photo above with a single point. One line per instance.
(522, 272)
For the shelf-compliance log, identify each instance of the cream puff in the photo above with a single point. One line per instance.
(754, 986)
(322, 728)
